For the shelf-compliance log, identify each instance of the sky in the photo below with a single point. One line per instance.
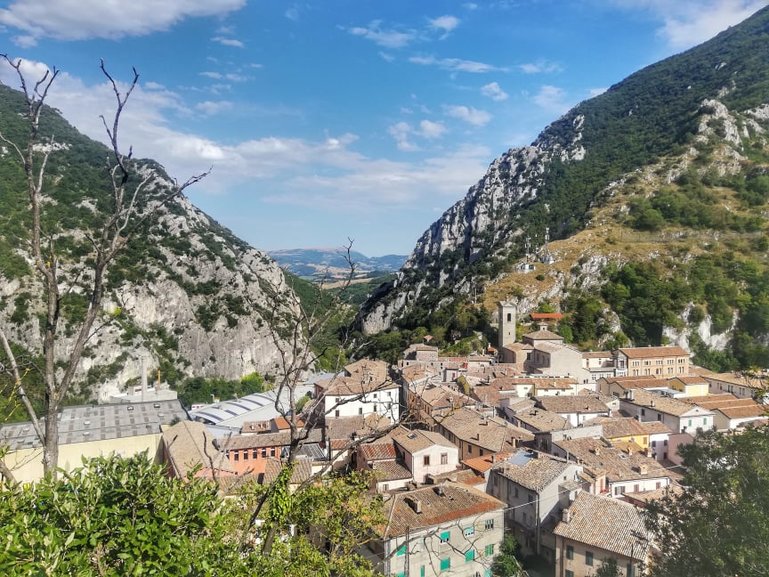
(325, 121)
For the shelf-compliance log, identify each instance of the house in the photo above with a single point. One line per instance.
(680, 416)
(536, 420)
(575, 409)
(344, 434)
(594, 528)
(534, 486)
(598, 364)
(477, 435)
(433, 401)
(730, 412)
(553, 357)
(623, 430)
(619, 386)
(442, 529)
(692, 386)
(651, 361)
(613, 470)
(187, 448)
(425, 453)
(248, 454)
(365, 388)
(742, 386)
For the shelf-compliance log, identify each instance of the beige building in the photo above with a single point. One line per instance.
(91, 431)
(595, 528)
(742, 386)
(477, 435)
(651, 361)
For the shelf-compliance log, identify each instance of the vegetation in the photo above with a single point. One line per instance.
(506, 564)
(726, 479)
(120, 517)
(202, 390)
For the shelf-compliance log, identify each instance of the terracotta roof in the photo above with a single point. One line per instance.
(377, 451)
(737, 379)
(483, 464)
(546, 316)
(439, 505)
(730, 406)
(614, 427)
(535, 473)
(377, 370)
(281, 439)
(627, 383)
(597, 354)
(652, 352)
(355, 385)
(572, 404)
(302, 471)
(605, 523)
(462, 476)
(345, 428)
(655, 427)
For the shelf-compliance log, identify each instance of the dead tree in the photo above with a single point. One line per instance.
(129, 188)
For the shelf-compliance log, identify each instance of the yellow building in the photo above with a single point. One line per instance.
(690, 386)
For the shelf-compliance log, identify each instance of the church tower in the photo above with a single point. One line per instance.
(508, 315)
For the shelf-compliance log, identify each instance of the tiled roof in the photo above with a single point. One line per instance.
(188, 444)
(645, 382)
(418, 440)
(543, 335)
(572, 404)
(483, 464)
(439, 504)
(302, 471)
(490, 433)
(607, 524)
(377, 451)
(655, 427)
(597, 354)
(619, 465)
(542, 420)
(390, 471)
(614, 427)
(661, 403)
(281, 439)
(737, 379)
(355, 385)
(730, 406)
(534, 473)
(652, 352)
(462, 476)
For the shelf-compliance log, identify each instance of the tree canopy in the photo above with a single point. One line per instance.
(719, 525)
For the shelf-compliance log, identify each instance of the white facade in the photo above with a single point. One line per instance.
(384, 402)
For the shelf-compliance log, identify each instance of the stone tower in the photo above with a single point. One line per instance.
(508, 315)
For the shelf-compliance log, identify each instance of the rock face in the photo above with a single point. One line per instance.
(710, 96)
(184, 298)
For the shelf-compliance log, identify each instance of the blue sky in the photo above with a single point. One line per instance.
(325, 120)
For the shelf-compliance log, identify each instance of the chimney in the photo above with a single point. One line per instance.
(414, 503)
(439, 490)
(566, 515)
(643, 469)
(597, 451)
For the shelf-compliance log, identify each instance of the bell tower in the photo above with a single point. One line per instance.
(508, 316)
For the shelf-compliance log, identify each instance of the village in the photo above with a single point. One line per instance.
(558, 447)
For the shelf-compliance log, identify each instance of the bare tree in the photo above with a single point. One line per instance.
(129, 188)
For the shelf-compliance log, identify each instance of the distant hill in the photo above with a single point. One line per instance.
(331, 263)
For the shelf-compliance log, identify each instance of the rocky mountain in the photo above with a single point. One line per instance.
(664, 169)
(331, 263)
(186, 297)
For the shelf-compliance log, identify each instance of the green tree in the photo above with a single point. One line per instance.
(718, 526)
(608, 568)
(506, 564)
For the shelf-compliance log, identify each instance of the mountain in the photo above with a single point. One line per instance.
(185, 297)
(328, 263)
(664, 172)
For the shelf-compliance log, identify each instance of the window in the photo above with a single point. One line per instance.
(619, 490)
(255, 454)
(469, 555)
(469, 449)
(400, 551)
(516, 492)
(237, 456)
(245, 455)
(569, 573)
(360, 411)
(643, 412)
(589, 558)
(264, 453)
(272, 451)
(629, 570)
(336, 413)
(569, 552)
(489, 524)
(489, 550)
(469, 531)
(400, 574)
(426, 461)
(445, 563)
(654, 443)
(422, 571)
(445, 536)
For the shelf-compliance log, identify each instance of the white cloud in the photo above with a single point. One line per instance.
(689, 22)
(431, 130)
(83, 19)
(454, 64)
(292, 13)
(401, 133)
(492, 90)
(552, 99)
(224, 41)
(386, 57)
(210, 107)
(382, 37)
(468, 114)
(444, 24)
(539, 67)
